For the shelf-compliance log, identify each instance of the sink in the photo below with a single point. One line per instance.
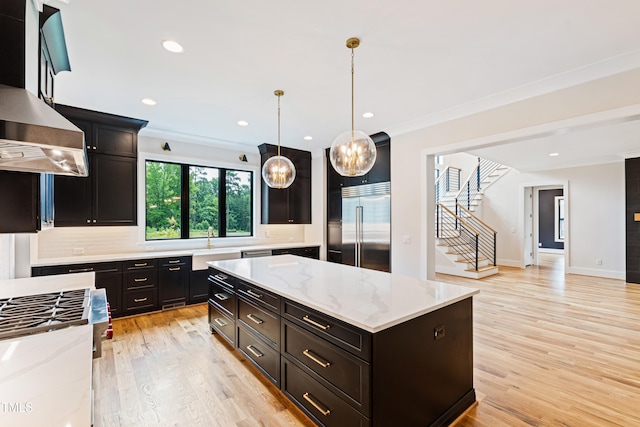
(202, 256)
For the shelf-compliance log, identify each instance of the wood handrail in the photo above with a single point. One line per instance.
(476, 218)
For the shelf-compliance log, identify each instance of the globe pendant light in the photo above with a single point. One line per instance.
(278, 171)
(353, 152)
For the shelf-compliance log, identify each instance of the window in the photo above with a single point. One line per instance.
(188, 201)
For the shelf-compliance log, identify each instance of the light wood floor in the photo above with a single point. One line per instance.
(549, 350)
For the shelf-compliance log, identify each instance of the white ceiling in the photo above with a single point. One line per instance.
(418, 59)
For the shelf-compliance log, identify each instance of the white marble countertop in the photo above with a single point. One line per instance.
(81, 259)
(45, 378)
(371, 300)
(43, 284)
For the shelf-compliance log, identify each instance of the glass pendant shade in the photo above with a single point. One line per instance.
(278, 172)
(353, 153)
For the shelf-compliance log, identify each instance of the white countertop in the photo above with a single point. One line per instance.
(43, 284)
(371, 300)
(230, 250)
(45, 378)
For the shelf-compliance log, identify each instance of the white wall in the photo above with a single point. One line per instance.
(595, 211)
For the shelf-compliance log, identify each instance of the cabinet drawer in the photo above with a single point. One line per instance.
(141, 300)
(259, 296)
(219, 322)
(223, 297)
(350, 375)
(221, 278)
(175, 261)
(324, 407)
(140, 264)
(261, 354)
(140, 279)
(260, 320)
(348, 337)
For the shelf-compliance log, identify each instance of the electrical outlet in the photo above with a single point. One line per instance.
(267, 234)
(598, 261)
(438, 332)
(406, 240)
(78, 251)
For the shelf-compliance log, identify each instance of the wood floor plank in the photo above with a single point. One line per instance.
(549, 350)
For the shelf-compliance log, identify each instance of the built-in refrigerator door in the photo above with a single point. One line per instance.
(375, 237)
(349, 228)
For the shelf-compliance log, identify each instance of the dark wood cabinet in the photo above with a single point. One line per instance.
(173, 280)
(198, 286)
(140, 286)
(290, 205)
(19, 202)
(108, 196)
(308, 252)
(108, 276)
(408, 374)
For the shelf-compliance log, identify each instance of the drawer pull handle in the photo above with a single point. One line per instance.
(80, 270)
(144, 264)
(139, 299)
(254, 350)
(221, 296)
(144, 279)
(314, 323)
(220, 277)
(220, 322)
(174, 269)
(307, 353)
(254, 294)
(174, 261)
(323, 411)
(255, 319)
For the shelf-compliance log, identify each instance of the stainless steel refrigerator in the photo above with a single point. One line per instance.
(366, 226)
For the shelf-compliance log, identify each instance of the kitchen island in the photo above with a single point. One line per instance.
(349, 346)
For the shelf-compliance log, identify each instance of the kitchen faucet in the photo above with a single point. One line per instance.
(209, 234)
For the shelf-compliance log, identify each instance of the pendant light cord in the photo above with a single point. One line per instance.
(353, 121)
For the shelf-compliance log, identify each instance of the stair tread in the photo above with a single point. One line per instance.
(488, 267)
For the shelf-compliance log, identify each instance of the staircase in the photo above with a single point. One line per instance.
(466, 245)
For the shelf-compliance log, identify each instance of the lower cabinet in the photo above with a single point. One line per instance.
(173, 281)
(318, 402)
(308, 252)
(341, 375)
(198, 286)
(140, 286)
(108, 276)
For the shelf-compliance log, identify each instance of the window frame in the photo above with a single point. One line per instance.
(186, 198)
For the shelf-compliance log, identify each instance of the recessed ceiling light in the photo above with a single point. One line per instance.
(148, 101)
(368, 115)
(554, 154)
(243, 123)
(308, 138)
(172, 46)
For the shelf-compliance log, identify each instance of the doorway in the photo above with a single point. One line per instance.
(545, 222)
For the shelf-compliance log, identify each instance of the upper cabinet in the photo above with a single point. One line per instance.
(290, 205)
(108, 196)
(381, 171)
(53, 52)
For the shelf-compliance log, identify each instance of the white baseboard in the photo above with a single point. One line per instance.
(509, 263)
(550, 251)
(607, 274)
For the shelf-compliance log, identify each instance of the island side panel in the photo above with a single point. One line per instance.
(420, 379)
